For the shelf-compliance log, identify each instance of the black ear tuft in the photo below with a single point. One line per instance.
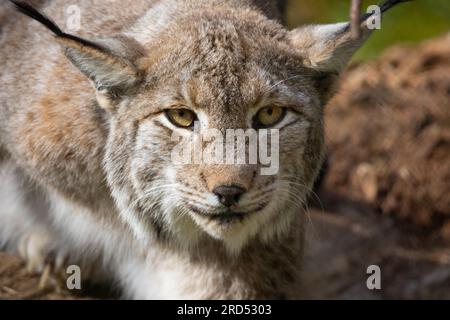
(28, 10)
(385, 6)
(33, 13)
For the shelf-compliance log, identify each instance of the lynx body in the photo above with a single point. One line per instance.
(86, 175)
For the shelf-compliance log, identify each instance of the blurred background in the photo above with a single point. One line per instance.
(385, 196)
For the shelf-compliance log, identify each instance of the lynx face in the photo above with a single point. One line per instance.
(218, 74)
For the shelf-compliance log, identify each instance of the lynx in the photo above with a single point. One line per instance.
(85, 139)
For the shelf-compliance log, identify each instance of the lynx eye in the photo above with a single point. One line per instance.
(269, 116)
(182, 118)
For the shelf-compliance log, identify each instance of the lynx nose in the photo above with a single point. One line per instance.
(229, 194)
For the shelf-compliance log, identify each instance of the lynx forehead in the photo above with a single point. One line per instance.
(86, 140)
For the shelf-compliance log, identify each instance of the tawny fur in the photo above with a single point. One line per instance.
(80, 152)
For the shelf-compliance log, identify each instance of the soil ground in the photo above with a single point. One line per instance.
(386, 196)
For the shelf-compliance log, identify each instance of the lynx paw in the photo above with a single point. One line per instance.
(37, 249)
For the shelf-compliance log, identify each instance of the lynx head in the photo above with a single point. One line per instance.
(220, 69)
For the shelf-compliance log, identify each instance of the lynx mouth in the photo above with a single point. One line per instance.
(226, 216)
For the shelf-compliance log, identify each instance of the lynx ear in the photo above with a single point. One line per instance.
(107, 63)
(328, 48)
(97, 61)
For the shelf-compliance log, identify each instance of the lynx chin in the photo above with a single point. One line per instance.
(86, 122)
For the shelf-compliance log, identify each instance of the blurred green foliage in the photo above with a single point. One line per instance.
(409, 22)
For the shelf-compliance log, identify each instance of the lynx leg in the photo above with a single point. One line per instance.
(25, 227)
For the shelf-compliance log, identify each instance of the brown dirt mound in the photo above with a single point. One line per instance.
(17, 283)
(388, 134)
